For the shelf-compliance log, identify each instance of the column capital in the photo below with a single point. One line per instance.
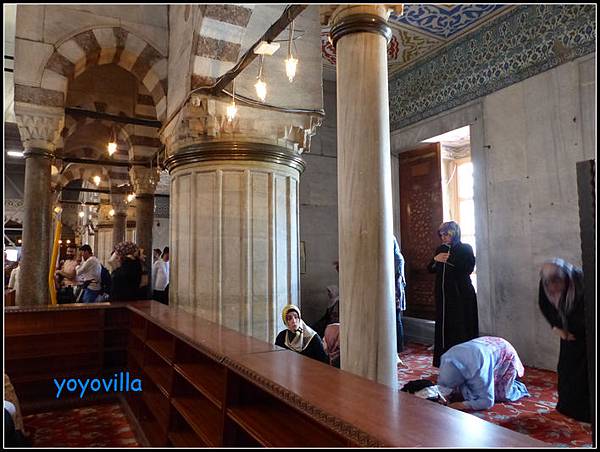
(118, 200)
(348, 19)
(144, 180)
(39, 126)
(203, 120)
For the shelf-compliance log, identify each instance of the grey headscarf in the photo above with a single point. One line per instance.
(565, 302)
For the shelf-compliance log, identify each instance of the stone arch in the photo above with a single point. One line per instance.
(105, 45)
(86, 172)
(218, 40)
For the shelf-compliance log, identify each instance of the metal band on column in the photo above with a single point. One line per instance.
(36, 152)
(235, 151)
(360, 23)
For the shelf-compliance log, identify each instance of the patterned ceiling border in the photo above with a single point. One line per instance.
(444, 21)
(523, 43)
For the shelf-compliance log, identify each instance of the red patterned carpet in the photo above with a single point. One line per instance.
(534, 416)
(95, 426)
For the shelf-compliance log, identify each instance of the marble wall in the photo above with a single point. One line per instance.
(318, 212)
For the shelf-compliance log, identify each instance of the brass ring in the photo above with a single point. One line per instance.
(360, 23)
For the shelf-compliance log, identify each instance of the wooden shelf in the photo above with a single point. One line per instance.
(138, 332)
(203, 418)
(43, 376)
(160, 376)
(273, 427)
(157, 402)
(206, 382)
(161, 348)
(185, 438)
(60, 332)
(52, 354)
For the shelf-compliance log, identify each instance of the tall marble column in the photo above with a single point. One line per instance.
(144, 183)
(367, 325)
(119, 204)
(39, 127)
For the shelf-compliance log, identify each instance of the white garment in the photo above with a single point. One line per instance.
(160, 275)
(13, 282)
(91, 269)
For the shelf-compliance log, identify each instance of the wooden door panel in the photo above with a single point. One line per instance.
(421, 212)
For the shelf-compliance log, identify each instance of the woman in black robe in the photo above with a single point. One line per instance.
(562, 304)
(299, 337)
(456, 318)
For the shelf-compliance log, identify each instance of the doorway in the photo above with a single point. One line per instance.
(457, 184)
(436, 185)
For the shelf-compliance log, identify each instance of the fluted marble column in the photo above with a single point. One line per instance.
(367, 324)
(119, 204)
(234, 234)
(144, 183)
(39, 127)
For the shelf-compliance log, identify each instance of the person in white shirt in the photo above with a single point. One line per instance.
(160, 277)
(89, 275)
(13, 282)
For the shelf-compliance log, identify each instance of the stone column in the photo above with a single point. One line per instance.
(367, 325)
(39, 128)
(119, 205)
(234, 228)
(144, 183)
(234, 234)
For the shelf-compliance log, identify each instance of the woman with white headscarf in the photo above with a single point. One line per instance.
(299, 337)
(562, 304)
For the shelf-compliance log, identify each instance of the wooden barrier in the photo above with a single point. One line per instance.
(207, 385)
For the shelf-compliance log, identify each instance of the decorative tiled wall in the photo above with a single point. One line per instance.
(161, 207)
(526, 41)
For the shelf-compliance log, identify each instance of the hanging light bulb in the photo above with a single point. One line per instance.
(231, 108)
(130, 197)
(81, 214)
(112, 143)
(97, 180)
(112, 212)
(260, 85)
(291, 62)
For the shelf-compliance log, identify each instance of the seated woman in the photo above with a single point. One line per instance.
(484, 370)
(299, 337)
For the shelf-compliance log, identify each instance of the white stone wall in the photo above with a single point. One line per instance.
(526, 140)
(318, 213)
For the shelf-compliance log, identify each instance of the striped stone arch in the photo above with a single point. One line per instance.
(142, 141)
(110, 45)
(86, 172)
(217, 42)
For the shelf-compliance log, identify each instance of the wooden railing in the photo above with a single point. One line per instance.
(207, 385)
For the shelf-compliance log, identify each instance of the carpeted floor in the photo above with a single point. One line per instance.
(534, 416)
(102, 425)
(106, 425)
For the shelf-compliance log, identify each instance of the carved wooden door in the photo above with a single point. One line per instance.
(421, 212)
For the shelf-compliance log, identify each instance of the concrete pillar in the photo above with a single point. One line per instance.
(234, 234)
(39, 127)
(367, 324)
(119, 204)
(144, 183)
